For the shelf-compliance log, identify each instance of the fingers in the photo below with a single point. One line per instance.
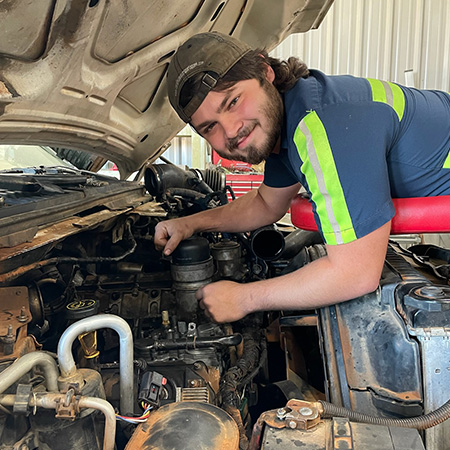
(171, 244)
(199, 296)
(161, 236)
(165, 239)
(169, 234)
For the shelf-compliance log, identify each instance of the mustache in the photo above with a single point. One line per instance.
(232, 143)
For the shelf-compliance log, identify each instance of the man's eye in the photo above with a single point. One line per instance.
(233, 102)
(209, 128)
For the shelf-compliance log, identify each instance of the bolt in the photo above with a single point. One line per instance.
(9, 331)
(305, 411)
(22, 317)
(282, 412)
(292, 424)
(68, 398)
(197, 365)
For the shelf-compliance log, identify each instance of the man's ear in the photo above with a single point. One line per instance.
(270, 74)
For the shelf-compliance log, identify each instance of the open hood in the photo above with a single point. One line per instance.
(90, 74)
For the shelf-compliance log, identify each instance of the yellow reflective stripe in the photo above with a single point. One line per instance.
(389, 93)
(378, 91)
(321, 174)
(398, 100)
(447, 162)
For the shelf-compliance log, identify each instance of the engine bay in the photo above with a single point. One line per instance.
(97, 327)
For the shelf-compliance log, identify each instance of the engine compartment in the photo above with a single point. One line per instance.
(98, 317)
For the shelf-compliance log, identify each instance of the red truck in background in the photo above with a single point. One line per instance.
(241, 177)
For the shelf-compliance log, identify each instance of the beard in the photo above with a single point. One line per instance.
(272, 110)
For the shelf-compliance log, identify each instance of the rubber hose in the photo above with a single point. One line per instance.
(420, 422)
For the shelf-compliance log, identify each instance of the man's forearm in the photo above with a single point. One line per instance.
(315, 285)
(255, 209)
(348, 271)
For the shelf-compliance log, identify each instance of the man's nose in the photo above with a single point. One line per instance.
(231, 127)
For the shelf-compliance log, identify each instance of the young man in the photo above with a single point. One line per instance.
(353, 143)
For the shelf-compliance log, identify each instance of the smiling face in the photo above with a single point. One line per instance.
(243, 122)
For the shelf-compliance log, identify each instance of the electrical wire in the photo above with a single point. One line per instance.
(135, 420)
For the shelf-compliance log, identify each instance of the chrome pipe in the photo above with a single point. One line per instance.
(24, 364)
(67, 363)
(52, 400)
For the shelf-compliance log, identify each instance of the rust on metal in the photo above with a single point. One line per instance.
(304, 415)
(353, 357)
(342, 434)
(297, 414)
(186, 425)
(58, 231)
(14, 316)
(210, 374)
(150, 209)
(4, 91)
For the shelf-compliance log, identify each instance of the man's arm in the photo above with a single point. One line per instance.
(348, 271)
(255, 209)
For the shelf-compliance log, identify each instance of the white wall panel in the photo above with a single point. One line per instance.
(406, 41)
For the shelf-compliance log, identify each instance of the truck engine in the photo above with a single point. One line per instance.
(103, 345)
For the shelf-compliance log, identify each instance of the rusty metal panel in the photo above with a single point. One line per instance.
(372, 364)
(342, 434)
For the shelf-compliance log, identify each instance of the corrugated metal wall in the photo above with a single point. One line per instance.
(406, 41)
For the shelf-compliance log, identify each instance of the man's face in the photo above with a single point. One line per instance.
(242, 123)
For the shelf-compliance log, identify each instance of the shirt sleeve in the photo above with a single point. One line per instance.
(342, 151)
(277, 171)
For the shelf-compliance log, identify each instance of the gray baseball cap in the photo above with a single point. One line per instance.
(213, 54)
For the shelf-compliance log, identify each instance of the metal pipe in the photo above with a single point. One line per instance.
(51, 401)
(24, 364)
(110, 418)
(192, 343)
(67, 363)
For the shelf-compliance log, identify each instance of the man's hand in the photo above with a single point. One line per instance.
(346, 272)
(170, 233)
(225, 301)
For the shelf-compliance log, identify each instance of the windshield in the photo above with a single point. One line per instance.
(20, 156)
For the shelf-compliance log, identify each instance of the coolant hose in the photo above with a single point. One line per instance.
(420, 422)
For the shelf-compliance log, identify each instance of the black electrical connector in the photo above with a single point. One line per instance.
(151, 388)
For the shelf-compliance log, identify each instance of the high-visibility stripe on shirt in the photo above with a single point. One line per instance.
(323, 181)
(447, 162)
(389, 93)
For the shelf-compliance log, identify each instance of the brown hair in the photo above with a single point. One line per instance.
(253, 65)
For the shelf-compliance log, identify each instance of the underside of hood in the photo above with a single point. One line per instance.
(90, 74)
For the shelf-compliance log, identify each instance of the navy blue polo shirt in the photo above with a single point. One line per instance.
(356, 143)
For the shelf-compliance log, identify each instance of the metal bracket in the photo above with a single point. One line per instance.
(67, 409)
